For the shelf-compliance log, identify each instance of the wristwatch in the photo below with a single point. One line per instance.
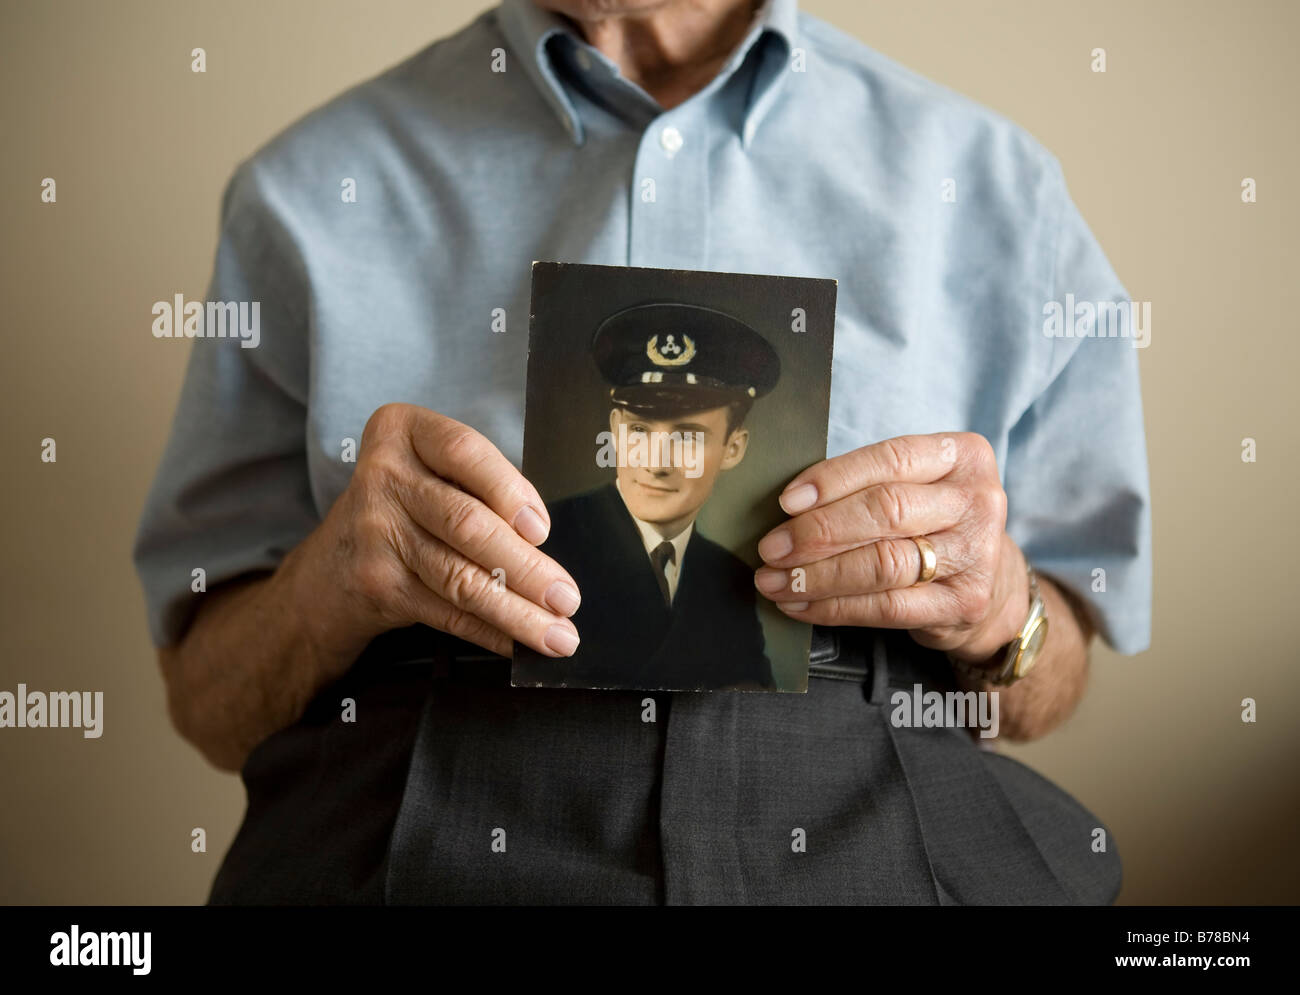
(1022, 652)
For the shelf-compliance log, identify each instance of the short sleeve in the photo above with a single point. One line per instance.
(1078, 493)
(232, 494)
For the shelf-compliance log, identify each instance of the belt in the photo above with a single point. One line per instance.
(879, 659)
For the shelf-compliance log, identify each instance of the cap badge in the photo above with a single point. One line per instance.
(672, 353)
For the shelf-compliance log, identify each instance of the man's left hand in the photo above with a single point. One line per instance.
(847, 556)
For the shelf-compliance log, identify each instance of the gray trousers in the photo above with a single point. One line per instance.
(453, 787)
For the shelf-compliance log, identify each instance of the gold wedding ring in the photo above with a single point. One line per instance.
(929, 561)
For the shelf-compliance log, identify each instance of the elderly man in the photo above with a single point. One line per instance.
(348, 654)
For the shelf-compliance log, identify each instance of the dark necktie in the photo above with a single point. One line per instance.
(661, 556)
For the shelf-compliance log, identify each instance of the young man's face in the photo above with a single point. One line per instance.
(671, 495)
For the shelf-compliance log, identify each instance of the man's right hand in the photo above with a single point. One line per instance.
(436, 527)
(432, 510)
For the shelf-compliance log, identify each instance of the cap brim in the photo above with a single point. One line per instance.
(654, 398)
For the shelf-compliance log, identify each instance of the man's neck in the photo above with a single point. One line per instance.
(674, 50)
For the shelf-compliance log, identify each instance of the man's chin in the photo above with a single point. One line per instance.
(656, 514)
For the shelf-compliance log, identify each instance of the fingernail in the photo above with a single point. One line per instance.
(799, 499)
(530, 525)
(793, 606)
(776, 545)
(561, 639)
(563, 598)
(770, 581)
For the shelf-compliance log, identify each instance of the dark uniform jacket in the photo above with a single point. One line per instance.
(710, 638)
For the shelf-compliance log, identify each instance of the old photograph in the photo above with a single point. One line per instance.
(660, 427)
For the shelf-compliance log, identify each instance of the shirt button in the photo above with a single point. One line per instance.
(671, 139)
(584, 60)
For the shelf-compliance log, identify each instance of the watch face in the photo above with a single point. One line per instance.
(1032, 646)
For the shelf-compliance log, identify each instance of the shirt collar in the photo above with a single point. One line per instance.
(530, 31)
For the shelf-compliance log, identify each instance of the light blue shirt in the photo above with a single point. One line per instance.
(949, 230)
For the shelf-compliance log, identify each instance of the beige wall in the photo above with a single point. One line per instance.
(1197, 96)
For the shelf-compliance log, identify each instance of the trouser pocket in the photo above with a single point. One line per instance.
(324, 793)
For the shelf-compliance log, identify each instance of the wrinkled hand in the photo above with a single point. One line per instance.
(437, 527)
(846, 556)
